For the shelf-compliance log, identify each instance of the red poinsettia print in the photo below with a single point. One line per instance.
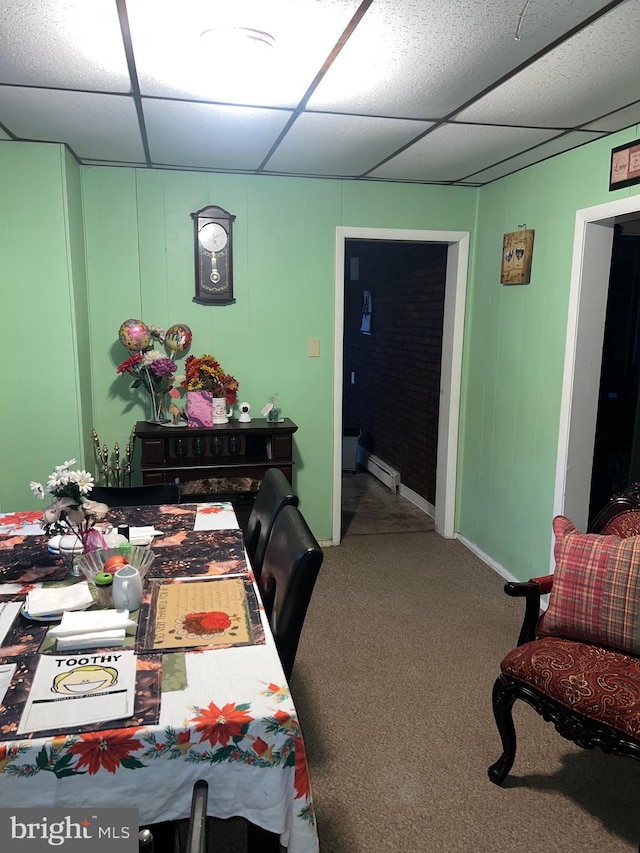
(219, 725)
(301, 778)
(104, 750)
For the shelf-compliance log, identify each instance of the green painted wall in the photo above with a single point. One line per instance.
(514, 356)
(117, 243)
(139, 245)
(40, 418)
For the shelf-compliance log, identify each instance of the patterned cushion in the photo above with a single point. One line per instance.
(598, 683)
(624, 524)
(596, 589)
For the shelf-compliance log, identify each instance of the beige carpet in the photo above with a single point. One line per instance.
(393, 678)
(393, 685)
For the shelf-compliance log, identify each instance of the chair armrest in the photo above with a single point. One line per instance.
(545, 583)
(531, 592)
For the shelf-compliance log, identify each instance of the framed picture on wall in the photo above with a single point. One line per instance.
(517, 254)
(625, 165)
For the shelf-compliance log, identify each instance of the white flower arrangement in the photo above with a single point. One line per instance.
(71, 511)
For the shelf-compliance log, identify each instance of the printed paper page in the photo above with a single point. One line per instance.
(74, 690)
(8, 612)
(6, 674)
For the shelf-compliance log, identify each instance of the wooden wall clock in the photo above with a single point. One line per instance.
(213, 242)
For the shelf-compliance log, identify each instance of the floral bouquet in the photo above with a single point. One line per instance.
(206, 374)
(150, 368)
(72, 511)
(153, 372)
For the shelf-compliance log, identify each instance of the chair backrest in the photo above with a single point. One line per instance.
(620, 515)
(274, 493)
(162, 493)
(291, 564)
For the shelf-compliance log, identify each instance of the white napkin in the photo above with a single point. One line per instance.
(92, 640)
(75, 622)
(45, 602)
(142, 535)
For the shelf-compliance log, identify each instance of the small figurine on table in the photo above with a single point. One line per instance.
(271, 411)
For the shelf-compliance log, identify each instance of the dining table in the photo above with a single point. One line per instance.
(211, 699)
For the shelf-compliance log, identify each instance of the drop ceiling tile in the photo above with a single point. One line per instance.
(93, 125)
(73, 44)
(339, 145)
(426, 59)
(535, 155)
(88, 161)
(188, 134)
(594, 72)
(453, 151)
(619, 120)
(171, 61)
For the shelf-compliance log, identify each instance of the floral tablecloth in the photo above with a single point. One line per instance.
(230, 719)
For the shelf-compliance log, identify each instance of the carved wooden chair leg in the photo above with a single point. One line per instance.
(504, 695)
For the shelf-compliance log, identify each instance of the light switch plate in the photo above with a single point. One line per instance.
(314, 347)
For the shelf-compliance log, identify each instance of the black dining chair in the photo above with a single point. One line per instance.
(166, 837)
(197, 831)
(153, 495)
(274, 493)
(290, 568)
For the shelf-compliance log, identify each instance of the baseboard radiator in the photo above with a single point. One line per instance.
(380, 469)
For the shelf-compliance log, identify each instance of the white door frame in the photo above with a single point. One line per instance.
(590, 269)
(451, 366)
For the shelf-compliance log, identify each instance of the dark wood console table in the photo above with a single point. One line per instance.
(226, 460)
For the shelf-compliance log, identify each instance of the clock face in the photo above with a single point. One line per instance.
(213, 237)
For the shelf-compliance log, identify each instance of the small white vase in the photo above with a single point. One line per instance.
(221, 414)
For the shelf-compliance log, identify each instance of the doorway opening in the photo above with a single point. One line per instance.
(616, 454)
(393, 315)
(592, 245)
(451, 363)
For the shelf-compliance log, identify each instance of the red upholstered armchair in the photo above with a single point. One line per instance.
(578, 665)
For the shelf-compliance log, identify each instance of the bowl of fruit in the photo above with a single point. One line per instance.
(111, 559)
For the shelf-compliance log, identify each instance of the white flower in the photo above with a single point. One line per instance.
(158, 332)
(83, 479)
(57, 480)
(94, 508)
(70, 510)
(52, 513)
(37, 489)
(151, 356)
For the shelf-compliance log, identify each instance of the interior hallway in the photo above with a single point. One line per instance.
(368, 506)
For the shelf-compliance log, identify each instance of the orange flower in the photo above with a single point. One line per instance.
(206, 374)
(104, 750)
(219, 725)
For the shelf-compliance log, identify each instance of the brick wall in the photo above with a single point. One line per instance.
(395, 398)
